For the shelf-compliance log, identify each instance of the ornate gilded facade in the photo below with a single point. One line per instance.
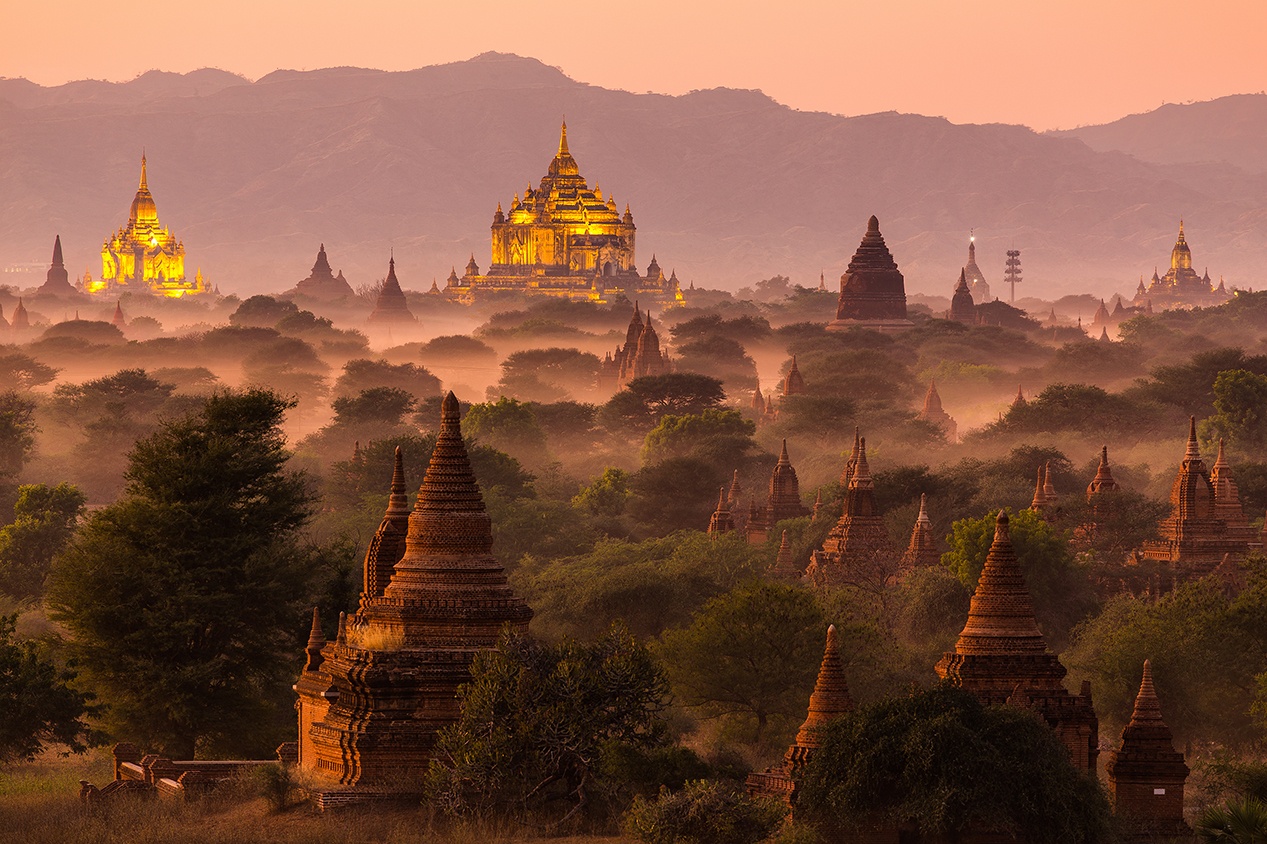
(1181, 287)
(564, 239)
(143, 255)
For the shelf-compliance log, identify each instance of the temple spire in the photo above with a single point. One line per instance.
(861, 471)
(830, 700)
(783, 458)
(316, 641)
(563, 138)
(1001, 616)
(145, 185)
(1147, 706)
(398, 502)
(1193, 452)
(57, 252)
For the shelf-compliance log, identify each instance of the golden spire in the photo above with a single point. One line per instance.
(144, 186)
(563, 138)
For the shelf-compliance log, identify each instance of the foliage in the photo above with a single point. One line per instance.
(718, 356)
(361, 374)
(1240, 404)
(183, 598)
(195, 379)
(1237, 822)
(1080, 409)
(40, 707)
(22, 372)
(679, 436)
(607, 496)
(649, 585)
(567, 369)
(1060, 587)
(645, 401)
(44, 519)
(507, 425)
(262, 312)
(567, 424)
(749, 655)
(1190, 386)
(856, 374)
(379, 406)
(457, 348)
(543, 527)
(743, 329)
(678, 493)
(537, 720)
(703, 812)
(86, 330)
(17, 432)
(130, 392)
(944, 764)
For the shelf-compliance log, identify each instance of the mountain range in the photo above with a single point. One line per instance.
(726, 186)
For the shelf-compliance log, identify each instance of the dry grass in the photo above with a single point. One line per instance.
(39, 804)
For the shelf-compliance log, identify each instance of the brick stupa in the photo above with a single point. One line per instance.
(391, 310)
(922, 551)
(1001, 656)
(794, 382)
(1146, 774)
(721, 522)
(1227, 501)
(783, 502)
(784, 563)
(372, 702)
(829, 700)
(57, 281)
(858, 547)
(322, 283)
(962, 308)
(872, 290)
(934, 413)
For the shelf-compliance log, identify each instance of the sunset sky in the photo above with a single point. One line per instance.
(1047, 65)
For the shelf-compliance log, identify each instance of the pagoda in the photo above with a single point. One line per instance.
(1181, 287)
(962, 308)
(858, 547)
(793, 383)
(322, 283)
(639, 356)
(563, 239)
(391, 309)
(57, 282)
(829, 701)
(1227, 501)
(721, 522)
(1146, 774)
(1195, 538)
(372, 702)
(872, 290)
(973, 276)
(934, 413)
(783, 502)
(922, 551)
(1001, 657)
(784, 561)
(144, 256)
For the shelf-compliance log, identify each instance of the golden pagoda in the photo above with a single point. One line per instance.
(143, 254)
(564, 239)
(1181, 287)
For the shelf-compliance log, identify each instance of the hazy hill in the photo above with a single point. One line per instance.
(726, 186)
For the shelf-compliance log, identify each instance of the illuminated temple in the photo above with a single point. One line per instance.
(563, 239)
(144, 256)
(1181, 287)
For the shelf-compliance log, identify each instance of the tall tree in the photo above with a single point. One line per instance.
(17, 432)
(44, 519)
(182, 599)
(647, 400)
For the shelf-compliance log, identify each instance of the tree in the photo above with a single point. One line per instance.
(607, 496)
(538, 720)
(679, 436)
(1060, 587)
(183, 598)
(944, 764)
(44, 521)
(744, 329)
(17, 432)
(1081, 409)
(457, 349)
(1239, 398)
(187, 379)
(1190, 386)
(377, 406)
(40, 708)
(22, 372)
(749, 656)
(678, 493)
(262, 312)
(857, 374)
(128, 392)
(87, 331)
(645, 401)
(721, 357)
(508, 426)
(1235, 822)
(567, 424)
(362, 374)
(565, 370)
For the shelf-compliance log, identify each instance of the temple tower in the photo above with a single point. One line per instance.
(783, 502)
(1146, 774)
(721, 522)
(858, 547)
(784, 563)
(934, 413)
(57, 282)
(1001, 655)
(322, 283)
(391, 309)
(1227, 501)
(962, 308)
(391, 676)
(117, 320)
(793, 384)
(922, 550)
(974, 276)
(872, 290)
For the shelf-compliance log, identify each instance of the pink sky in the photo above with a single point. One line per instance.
(1044, 64)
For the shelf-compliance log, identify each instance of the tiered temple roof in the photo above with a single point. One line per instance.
(872, 290)
(934, 413)
(639, 356)
(922, 550)
(974, 276)
(962, 307)
(1181, 287)
(858, 547)
(783, 502)
(1103, 481)
(1227, 501)
(322, 283)
(794, 383)
(371, 712)
(721, 522)
(391, 309)
(57, 282)
(1146, 774)
(1002, 656)
(784, 562)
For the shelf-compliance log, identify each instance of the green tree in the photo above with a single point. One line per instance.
(647, 400)
(507, 425)
(17, 432)
(44, 520)
(1060, 587)
(749, 656)
(457, 349)
(377, 406)
(1235, 822)
(262, 312)
(1240, 405)
(566, 370)
(128, 392)
(679, 493)
(538, 720)
(943, 763)
(721, 357)
(607, 496)
(1190, 386)
(744, 329)
(361, 374)
(704, 811)
(40, 708)
(679, 436)
(182, 599)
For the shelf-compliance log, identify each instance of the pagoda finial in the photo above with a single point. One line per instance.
(563, 138)
(316, 641)
(723, 503)
(923, 510)
(1193, 452)
(861, 471)
(783, 458)
(399, 500)
(1147, 706)
(57, 252)
(145, 186)
(1220, 462)
(1040, 497)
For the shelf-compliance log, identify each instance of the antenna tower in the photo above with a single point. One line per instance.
(1012, 275)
